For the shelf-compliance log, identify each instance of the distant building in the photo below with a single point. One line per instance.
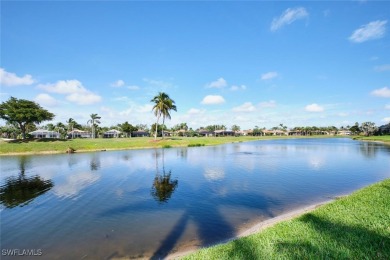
(224, 133)
(140, 134)
(113, 133)
(79, 134)
(205, 133)
(344, 132)
(41, 133)
(384, 129)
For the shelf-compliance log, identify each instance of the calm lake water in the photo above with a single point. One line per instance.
(148, 203)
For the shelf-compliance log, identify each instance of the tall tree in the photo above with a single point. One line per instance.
(94, 121)
(235, 128)
(355, 129)
(60, 128)
(368, 128)
(163, 104)
(127, 128)
(23, 112)
(71, 124)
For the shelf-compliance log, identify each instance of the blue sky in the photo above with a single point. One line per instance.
(246, 63)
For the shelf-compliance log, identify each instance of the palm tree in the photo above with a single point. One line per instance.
(163, 104)
(59, 127)
(94, 120)
(71, 123)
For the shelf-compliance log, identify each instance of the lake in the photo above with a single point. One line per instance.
(149, 203)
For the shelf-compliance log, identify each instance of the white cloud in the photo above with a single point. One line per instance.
(382, 92)
(46, 100)
(120, 84)
(194, 111)
(11, 79)
(381, 68)
(269, 75)
(246, 107)
(158, 83)
(74, 90)
(213, 100)
(133, 87)
(386, 120)
(370, 31)
(268, 104)
(86, 98)
(343, 114)
(314, 108)
(288, 16)
(219, 83)
(387, 107)
(63, 87)
(117, 84)
(235, 88)
(122, 99)
(147, 108)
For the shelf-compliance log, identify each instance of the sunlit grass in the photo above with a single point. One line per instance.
(81, 145)
(353, 227)
(381, 138)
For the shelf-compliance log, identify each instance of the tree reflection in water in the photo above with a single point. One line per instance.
(21, 190)
(163, 186)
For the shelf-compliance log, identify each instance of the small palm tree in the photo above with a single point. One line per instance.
(163, 104)
(94, 121)
(71, 123)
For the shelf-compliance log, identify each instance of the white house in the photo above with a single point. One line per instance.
(112, 133)
(79, 134)
(42, 133)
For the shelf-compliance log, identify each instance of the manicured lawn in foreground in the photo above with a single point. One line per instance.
(60, 146)
(353, 227)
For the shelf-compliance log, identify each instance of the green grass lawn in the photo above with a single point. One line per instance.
(382, 138)
(81, 145)
(353, 227)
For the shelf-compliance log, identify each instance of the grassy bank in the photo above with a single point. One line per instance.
(60, 146)
(383, 138)
(353, 227)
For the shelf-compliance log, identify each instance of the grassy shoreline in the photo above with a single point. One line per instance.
(50, 146)
(352, 227)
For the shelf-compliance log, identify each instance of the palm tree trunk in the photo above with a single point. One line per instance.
(155, 134)
(93, 129)
(162, 130)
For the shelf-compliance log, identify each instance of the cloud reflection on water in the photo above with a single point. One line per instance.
(75, 183)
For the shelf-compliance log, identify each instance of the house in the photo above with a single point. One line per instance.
(344, 132)
(167, 133)
(41, 133)
(246, 132)
(139, 134)
(205, 133)
(112, 133)
(224, 133)
(275, 132)
(181, 132)
(384, 129)
(76, 133)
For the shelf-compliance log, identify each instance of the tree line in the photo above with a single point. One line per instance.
(23, 116)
